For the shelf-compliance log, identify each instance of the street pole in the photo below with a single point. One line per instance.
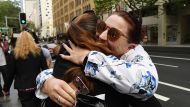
(6, 21)
(23, 10)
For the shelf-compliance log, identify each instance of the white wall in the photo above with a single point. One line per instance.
(150, 20)
(30, 10)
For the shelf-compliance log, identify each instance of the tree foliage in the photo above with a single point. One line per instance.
(31, 25)
(136, 6)
(9, 9)
(105, 5)
(174, 7)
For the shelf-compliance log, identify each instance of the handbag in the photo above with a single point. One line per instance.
(89, 101)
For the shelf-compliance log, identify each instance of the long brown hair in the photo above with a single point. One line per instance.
(82, 32)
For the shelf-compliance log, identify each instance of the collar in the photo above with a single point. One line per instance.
(132, 52)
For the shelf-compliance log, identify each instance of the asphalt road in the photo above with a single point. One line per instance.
(174, 73)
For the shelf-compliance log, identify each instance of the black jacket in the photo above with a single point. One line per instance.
(24, 71)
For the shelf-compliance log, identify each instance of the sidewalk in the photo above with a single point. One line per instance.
(155, 45)
(177, 49)
(14, 101)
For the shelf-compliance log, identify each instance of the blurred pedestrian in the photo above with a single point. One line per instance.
(3, 62)
(47, 56)
(26, 61)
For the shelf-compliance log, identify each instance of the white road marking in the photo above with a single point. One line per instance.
(163, 98)
(187, 59)
(166, 65)
(174, 86)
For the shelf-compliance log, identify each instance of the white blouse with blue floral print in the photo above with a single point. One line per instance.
(134, 73)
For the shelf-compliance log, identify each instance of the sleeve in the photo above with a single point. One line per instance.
(135, 79)
(43, 62)
(40, 79)
(61, 65)
(46, 53)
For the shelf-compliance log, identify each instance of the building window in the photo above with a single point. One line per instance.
(84, 1)
(66, 9)
(71, 15)
(66, 18)
(77, 2)
(61, 2)
(78, 12)
(151, 32)
(61, 11)
(71, 5)
(88, 7)
(65, 1)
(171, 33)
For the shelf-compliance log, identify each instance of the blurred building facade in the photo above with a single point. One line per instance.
(66, 10)
(162, 27)
(39, 12)
(46, 18)
(168, 27)
(31, 8)
(164, 24)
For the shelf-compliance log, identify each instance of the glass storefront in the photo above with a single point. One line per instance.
(152, 34)
(171, 33)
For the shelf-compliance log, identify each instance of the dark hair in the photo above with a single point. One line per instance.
(84, 39)
(88, 22)
(101, 26)
(135, 31)
(89, 12)
(82, 33)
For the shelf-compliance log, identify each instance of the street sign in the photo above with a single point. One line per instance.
(4, 29)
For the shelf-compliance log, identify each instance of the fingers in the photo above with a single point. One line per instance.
(66, 94)
(71, 44)
(69, 90)
(62, 102)
(67, 48)
(65, 57)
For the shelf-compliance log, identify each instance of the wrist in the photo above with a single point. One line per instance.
(45, 85)
(84, 58)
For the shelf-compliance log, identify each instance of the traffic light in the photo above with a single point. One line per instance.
(22, 18)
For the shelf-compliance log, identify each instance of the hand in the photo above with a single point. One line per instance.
(6, 93)
(59, 91)
(77, 54)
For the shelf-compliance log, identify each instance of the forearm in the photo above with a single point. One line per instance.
(40, 79)
(125, 77)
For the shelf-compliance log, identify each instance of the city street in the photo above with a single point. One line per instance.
(174, 85)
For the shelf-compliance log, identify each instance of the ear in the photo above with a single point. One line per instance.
(131, 46)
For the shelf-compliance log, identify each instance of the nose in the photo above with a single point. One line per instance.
(103, 35)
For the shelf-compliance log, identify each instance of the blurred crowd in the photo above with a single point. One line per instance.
(22, 58)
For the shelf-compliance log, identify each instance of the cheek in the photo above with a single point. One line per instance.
(113, 47)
